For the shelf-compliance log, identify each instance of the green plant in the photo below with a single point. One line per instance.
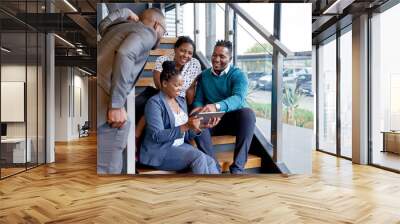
(261, 109)
(290, 100)
(304, 118)
(299, 117)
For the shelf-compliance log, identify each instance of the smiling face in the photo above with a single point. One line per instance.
(173, 86)
(220, 58)
(183, 54)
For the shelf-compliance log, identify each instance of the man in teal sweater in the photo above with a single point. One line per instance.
(224, 88)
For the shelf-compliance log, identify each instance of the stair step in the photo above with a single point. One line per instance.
(220, 140)
(226, 158)
(145, 81)
(150, 66)
(223, 139)
(154, 171)
(161, 52)
(168, 40)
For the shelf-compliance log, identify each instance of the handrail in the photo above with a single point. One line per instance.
(203, 60)
(249, 33)
(261, 30)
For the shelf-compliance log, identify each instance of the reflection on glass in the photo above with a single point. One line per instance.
(346, 94)
(385, 86)
(327, 96)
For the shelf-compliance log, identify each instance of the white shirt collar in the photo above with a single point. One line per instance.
(225, 71)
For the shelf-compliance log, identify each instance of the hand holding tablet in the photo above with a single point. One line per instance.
(207, 116)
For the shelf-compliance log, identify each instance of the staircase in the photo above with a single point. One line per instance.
(223, 145)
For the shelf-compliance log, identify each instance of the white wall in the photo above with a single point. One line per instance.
(71, 94)
(33, 126)
(13, 73)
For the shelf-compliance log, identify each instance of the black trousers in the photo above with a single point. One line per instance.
(240, 123)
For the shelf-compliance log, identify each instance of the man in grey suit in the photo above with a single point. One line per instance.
(122, 54)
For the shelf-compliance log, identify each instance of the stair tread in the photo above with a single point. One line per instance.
(168, 40)
(154, 171)
(223, 139)
(160, 52)
(220, 140)
(145, 81)
(226, 158)
(150, 66)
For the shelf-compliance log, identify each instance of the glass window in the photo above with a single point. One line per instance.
(327, 96)
(255, 59)
(346, 94)
(296, 26)
(263, 13)
(385, 84)
(14, 151)
(298, 95)
(188, 20)
(22, 91)
(220, 21)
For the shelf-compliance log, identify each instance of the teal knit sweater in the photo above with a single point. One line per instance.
(229, 90)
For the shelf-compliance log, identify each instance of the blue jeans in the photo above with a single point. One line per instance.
(186, 156)
(240, 123)
(111, 143)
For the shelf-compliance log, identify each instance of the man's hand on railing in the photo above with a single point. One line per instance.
(116, 117)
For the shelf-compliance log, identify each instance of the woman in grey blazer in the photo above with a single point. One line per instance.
(168, 125)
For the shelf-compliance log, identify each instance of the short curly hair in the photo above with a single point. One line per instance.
(185, 39)
(225, 43)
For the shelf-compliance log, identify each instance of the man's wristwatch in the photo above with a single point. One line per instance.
(218, 106)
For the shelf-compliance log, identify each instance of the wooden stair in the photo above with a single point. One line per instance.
(168, 40)
(225, 158)
(161, 52)
(150, 65)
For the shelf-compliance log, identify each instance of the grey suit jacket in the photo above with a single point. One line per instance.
(121, 55)
(160, 130)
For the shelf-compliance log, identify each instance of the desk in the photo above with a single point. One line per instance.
(391, 141)
(13, 150)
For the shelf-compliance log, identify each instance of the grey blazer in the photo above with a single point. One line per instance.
(122, 53)
(160, 131)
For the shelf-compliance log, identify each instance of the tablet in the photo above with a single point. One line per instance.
(208, 115)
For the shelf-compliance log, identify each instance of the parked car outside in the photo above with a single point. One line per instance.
(265, 82)
(254, 77)
(304, 85)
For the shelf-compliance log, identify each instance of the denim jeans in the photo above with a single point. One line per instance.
(240, 123)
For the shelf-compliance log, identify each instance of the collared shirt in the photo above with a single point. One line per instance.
(189, 72)
(225, 71)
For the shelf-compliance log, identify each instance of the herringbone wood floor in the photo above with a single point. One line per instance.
(70, 191)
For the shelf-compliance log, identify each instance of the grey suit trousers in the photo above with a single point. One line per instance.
(111, 142)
